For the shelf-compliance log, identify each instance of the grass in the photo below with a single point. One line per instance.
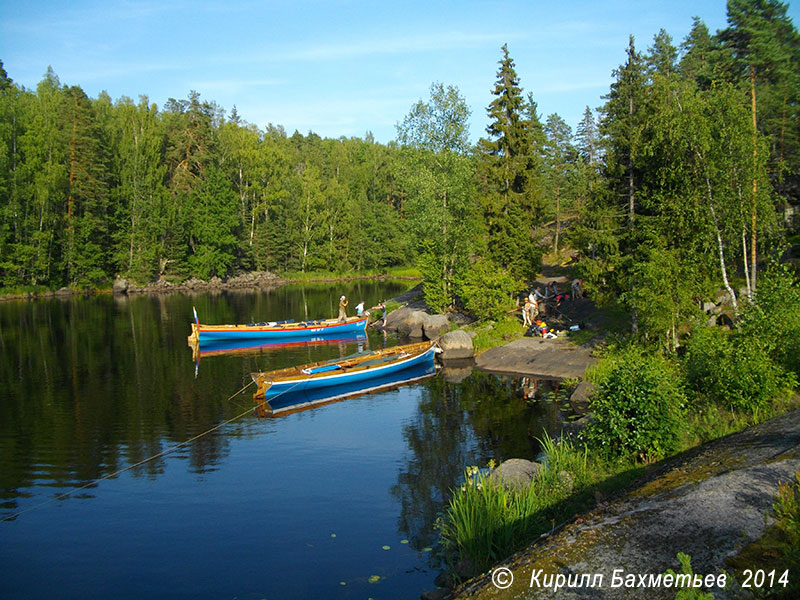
(23, 290)
(496, 333)
(487, 521)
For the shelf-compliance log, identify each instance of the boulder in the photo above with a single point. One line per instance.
(581, 394)
(120, 286)
(435, 325)
(516, 473)
(406, 321)
(440, 594)
(456, 345)
(574, 429)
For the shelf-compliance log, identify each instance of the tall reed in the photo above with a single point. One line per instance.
(487, 520)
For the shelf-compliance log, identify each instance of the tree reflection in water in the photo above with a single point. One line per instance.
(482, 417)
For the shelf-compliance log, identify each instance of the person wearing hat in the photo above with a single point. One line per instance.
(342, 307)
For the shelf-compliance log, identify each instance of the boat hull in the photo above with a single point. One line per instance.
(271, 387)
(250, 346)
(298, 401)
(303, 329)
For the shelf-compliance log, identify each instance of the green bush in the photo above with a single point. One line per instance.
(774, 319)
(638, 406)
(734, 370)
(487, 290)
(435, 286)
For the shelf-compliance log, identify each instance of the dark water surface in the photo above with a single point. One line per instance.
(338, 501)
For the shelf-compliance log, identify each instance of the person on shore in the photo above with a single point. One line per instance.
(382, 305)
(342, 309)
(526, 314)
(577, 288)
(533, 312)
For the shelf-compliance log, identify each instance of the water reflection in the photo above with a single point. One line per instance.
(467, 422)
(94, 385)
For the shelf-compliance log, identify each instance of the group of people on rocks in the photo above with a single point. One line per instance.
(531, 308)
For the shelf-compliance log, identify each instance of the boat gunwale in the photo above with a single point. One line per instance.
(352, 365)
(296, 326)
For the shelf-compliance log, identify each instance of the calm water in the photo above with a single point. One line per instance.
(335, 502)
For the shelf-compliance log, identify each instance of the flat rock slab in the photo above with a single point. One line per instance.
(709, 503)
(537, 357)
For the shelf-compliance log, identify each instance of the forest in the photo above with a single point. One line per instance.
(675, 187)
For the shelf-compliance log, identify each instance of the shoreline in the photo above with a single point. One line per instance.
(246, 282)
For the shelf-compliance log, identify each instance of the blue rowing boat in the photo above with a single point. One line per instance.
(277, 330)
(354, 369)
(256, 346)
(291, 402)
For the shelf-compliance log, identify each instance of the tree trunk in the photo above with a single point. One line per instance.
(721, 248)
(753, 257)
(746, 267)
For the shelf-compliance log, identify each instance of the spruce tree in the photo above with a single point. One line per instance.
(507, 172)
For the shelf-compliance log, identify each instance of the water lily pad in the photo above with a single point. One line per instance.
(333, 535)
(428, 549)
(387, 547)
(374, 578)
(342, 583)
(403, 541)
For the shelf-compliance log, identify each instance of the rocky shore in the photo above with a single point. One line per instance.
(243, 282)
(712, 503)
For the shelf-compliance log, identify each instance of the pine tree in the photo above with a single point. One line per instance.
(560, 157)
(88, 242)
(763, 43)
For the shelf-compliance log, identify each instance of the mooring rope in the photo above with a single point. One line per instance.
(154, 457)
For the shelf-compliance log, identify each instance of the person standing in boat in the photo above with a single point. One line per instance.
(342, 307)
(360, 309)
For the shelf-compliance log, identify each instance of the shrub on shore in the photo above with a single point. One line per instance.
(639, 407)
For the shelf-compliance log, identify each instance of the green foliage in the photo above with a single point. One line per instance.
(787, 512)
(488, 290)
(638, 406)
(487, 521)
(688, 593)
(435, 288)
(774, 319)
(496, 333)
(733, 370)
(437, 173)
(787, 516)
(662, 296)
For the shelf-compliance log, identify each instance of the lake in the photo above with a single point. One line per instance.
(338, 501)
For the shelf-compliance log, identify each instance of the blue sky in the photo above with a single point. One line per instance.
(338, 67)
